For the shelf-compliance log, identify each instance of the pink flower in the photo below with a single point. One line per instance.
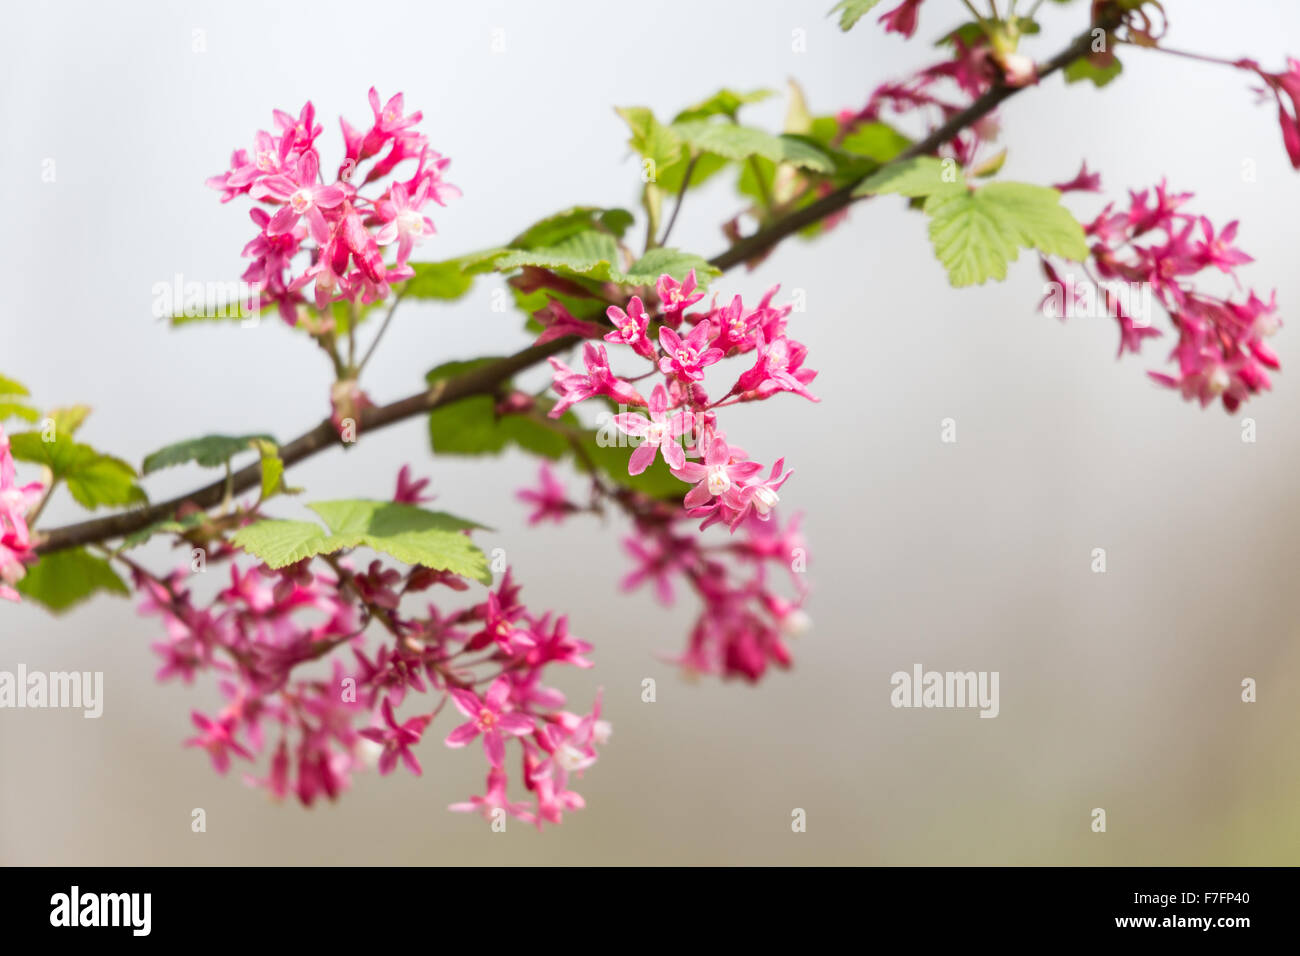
(559, 322)
(217, 738)
(302, 196)
(630, 326)
(489, 718)
(677, 296)
(494, 799)
(902, 19)
(550, 499)
(657, 433)
(1083, 181)
(402, 219)
(15, 536)
(687, 357)
(723, 468)
(575, 387)
(410, 492)
(397, 739)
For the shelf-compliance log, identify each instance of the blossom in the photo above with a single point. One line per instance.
(687, 357)
(15, 536)
(494, 799)
(217, 738)
(657, 433)
(676, 296)
(723, 468)
(630, 327)
(549, 499)
(902, 19)
(403, 220)
(302, 196)
(488, 717)
(348, 230)
(410, 492)
(599, 379)
(1083, 181)
(397, 739)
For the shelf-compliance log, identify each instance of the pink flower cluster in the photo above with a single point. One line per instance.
(1221, 353)
(347, 230)
(15, 537)
(488, 659)
(727, 486)
(744, 622)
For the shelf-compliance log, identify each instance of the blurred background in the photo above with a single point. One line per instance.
(1118, 690)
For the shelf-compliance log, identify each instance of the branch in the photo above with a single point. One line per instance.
(486, 379)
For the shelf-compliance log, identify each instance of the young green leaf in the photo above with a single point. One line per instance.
(570, 222)
(668, 261)
(977, 233)
(10, 406)
(64, 579)
(210, 451)
(409, 534)
(653, 140)
(851, 11)
(725, 102)
(1086, 68)
(920, 176)
(93, 478)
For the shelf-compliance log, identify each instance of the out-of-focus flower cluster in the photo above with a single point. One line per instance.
(347, 230)
(489, 660)
(15, 537)
(1220, 353)
(744, 621)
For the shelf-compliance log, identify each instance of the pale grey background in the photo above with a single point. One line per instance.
(1118, 690)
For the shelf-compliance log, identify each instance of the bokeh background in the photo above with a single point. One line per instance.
(1118, 690)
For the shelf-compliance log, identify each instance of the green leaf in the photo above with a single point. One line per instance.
(9, 386)
(920, 176)
(730, 140)
(9, 407)
(707, 165)
(878, 141)
(104, 480)
(15, 410)
(851, 11)
(725, 102)
(801, 151)
(668, 261)
(68, 420)
(93, 478)
(590, 254)
(210, 451)
(281, 543)
(976, 234)
(1086, 68)
(409, 534)
(447, 281)
(272, 469)
(570, 222)
(652, 139)
(472, 426)
(64, 579)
